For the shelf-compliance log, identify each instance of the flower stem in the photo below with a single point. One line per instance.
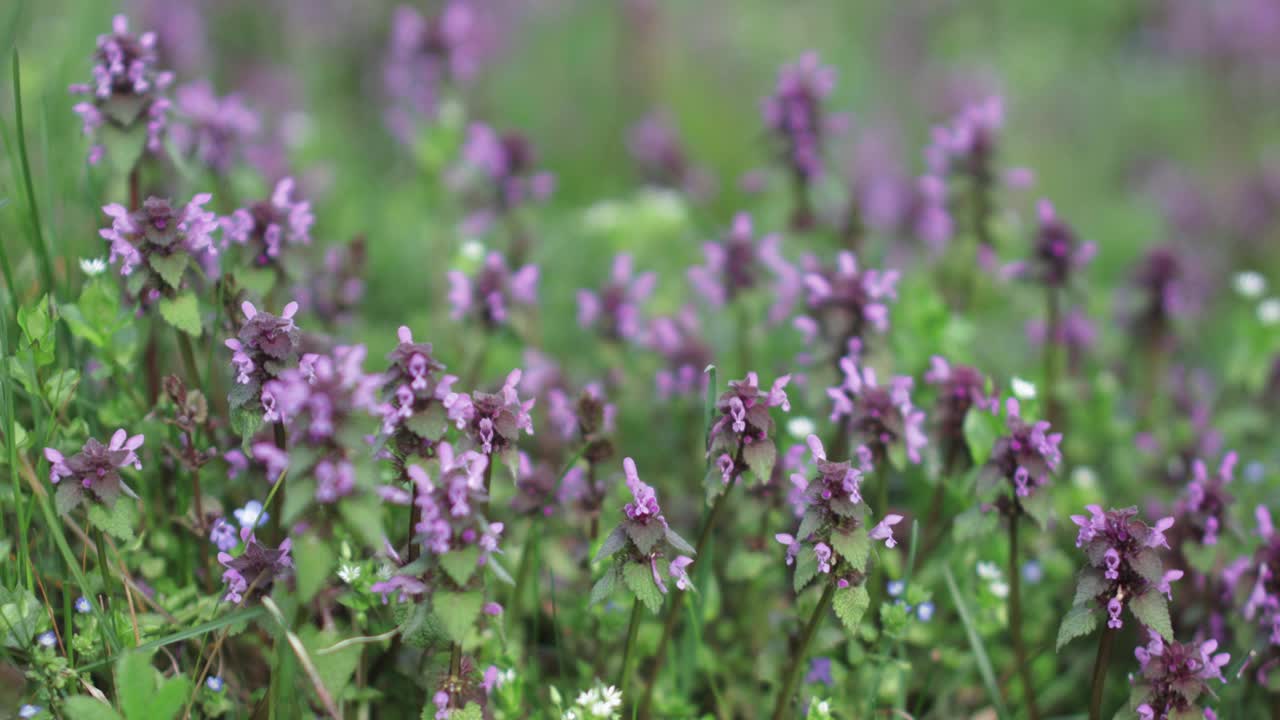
(276, 520)
(632, 628)
(801, 650)
(1100, 673)
(1052, 320)
(1015, 620)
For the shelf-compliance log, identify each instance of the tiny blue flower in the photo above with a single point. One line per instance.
(252, 515)
(214, 683)
(924, 611)
(1032, 572)
(83, 606)
(47, 639)
(1255, 472)
(896, 587)
(29, 711)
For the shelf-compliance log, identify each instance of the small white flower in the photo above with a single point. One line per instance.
(1084, 477)
(252, 515)
(93, 266)
(989, 571)
(800, 427)
(1250, 284)
(1000, 589)
(472, 250)
(1269, 311)
(603, 216)
(1023, 389)
(348, 573)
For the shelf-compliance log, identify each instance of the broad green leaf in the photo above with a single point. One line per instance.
(809, 524)
(20, 614)
(851, 604)
(61, 387)
(313, 560)
(645, 535)
(170, 267)
(680, 544)
(183, 313)
(137, 683)
(1039, 506)
(457, 612)
(806, 568)
(853, 546)
(118, 521)
(1089, 585)
(1079, 621)
(1152, 610)
(980, 432)
(461, 564)
(613, 542)
(604, 587)
(430, 424)
(1147, 564)
(336, 668)
(760, 457)
(83, 707)
(419, 626)
(638, 577)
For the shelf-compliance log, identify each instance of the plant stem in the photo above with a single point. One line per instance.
(1052, 320)
(276, 521)
(1015, 620)
(632, 628)
(1100, 673)
(189, 359)
(801, 650)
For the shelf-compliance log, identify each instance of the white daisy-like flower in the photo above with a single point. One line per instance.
(1269, 311)
(93, 266)
(348, 573)
(1249, 284)
(1023, 389)
(800, 427)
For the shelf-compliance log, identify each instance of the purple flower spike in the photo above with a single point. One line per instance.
(213, 130)
(1057, 254)
(1028, 455)
(961, 390)
(1203, 508)
(264, 346)
(94, 471)
(127, 89)
(615, 309)
(881, 417)
(1174, 676)
(414, 389)
(644, 507)
(405, 588)
(680, 572)
(679, 339)
(425, 57)
(656, 147)
(493, 292)
(266, 227)
(255, 569)
(845, 302)
(1123, 564)
(493, 422)
(738, 263)
(500, 170)
(161, 242)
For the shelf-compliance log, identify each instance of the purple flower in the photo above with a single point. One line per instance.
(679, 339)
(795, 117)
(1075, 332)
(500, 167)
(1161, 281)
(161, 240)
(1028, 455)
(264, 346)
(615, 309)
(961, 389)
(881, 417)
(223, 535)
(820, 671)
(267, 226)
(1203, 508)
(426, 55)
(884, 530)
(1173, 676)
(333, 291)
(845, 302)
(1123, 563)
(679, 571)
(644, 506)
(493, 292)
(737, 264)
(1057, 253)
(254, 569)
(127, 88)
(94, 470)
(493, 422)
(447, 517)
(655, 145)
(415, 388)
(1262, 573)
(740, 436)
(214, 130)
(403, 586)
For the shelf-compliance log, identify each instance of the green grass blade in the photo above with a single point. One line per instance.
(244, 615)
(33, 209)
(979, 650)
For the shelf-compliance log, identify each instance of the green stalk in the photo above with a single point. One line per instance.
(1015, 620)
(633, 626)
(801, 651)
(975, 643)
(1105, 639)
(37, 230)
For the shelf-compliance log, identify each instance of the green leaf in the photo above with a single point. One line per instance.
(137, 683)
(313, 560)
(644, 535)
(363, 514)
(1089, 585)
(680, 544)
(169, 700)
(457, 612)
(471, 712)
(61, 387)
(809, 524)
(461, 564)
(83, 707)
(170, 267)
(183, 313)
(981, 430)
(1152, 610)
(613, 542)
(806, 568)
(638, 577)
(1039, 506)
(853, 546)
(430, 424)
(20, 613)
(973, 523)
(1147, 564)
(119, 521)
(604, 587)
(851, 604)
(1078, 622)
(419, 626)
(760, 457)
(335, 669)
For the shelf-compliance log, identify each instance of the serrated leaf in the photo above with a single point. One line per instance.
(457, 612)
(1089, 585)
(760, 456)
(419, 626)
(313, 560)
(645, 535)
(853, 546)
(336, 668)
(1078, 622)
(363, 514)
(461, 564)
(170, 267)
(980, 433)
(137, 682)
(638, 578)
(19, 613)
(430, 424)
(613, 542)
(714, 485)
(117, 521)
(806, 568)
(809, 524)
(604, 587)
(851, 604)
(183, 313)
(680, 544)
(1147, 564)
(67, 497)
(1152, 610)
(471, 712)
